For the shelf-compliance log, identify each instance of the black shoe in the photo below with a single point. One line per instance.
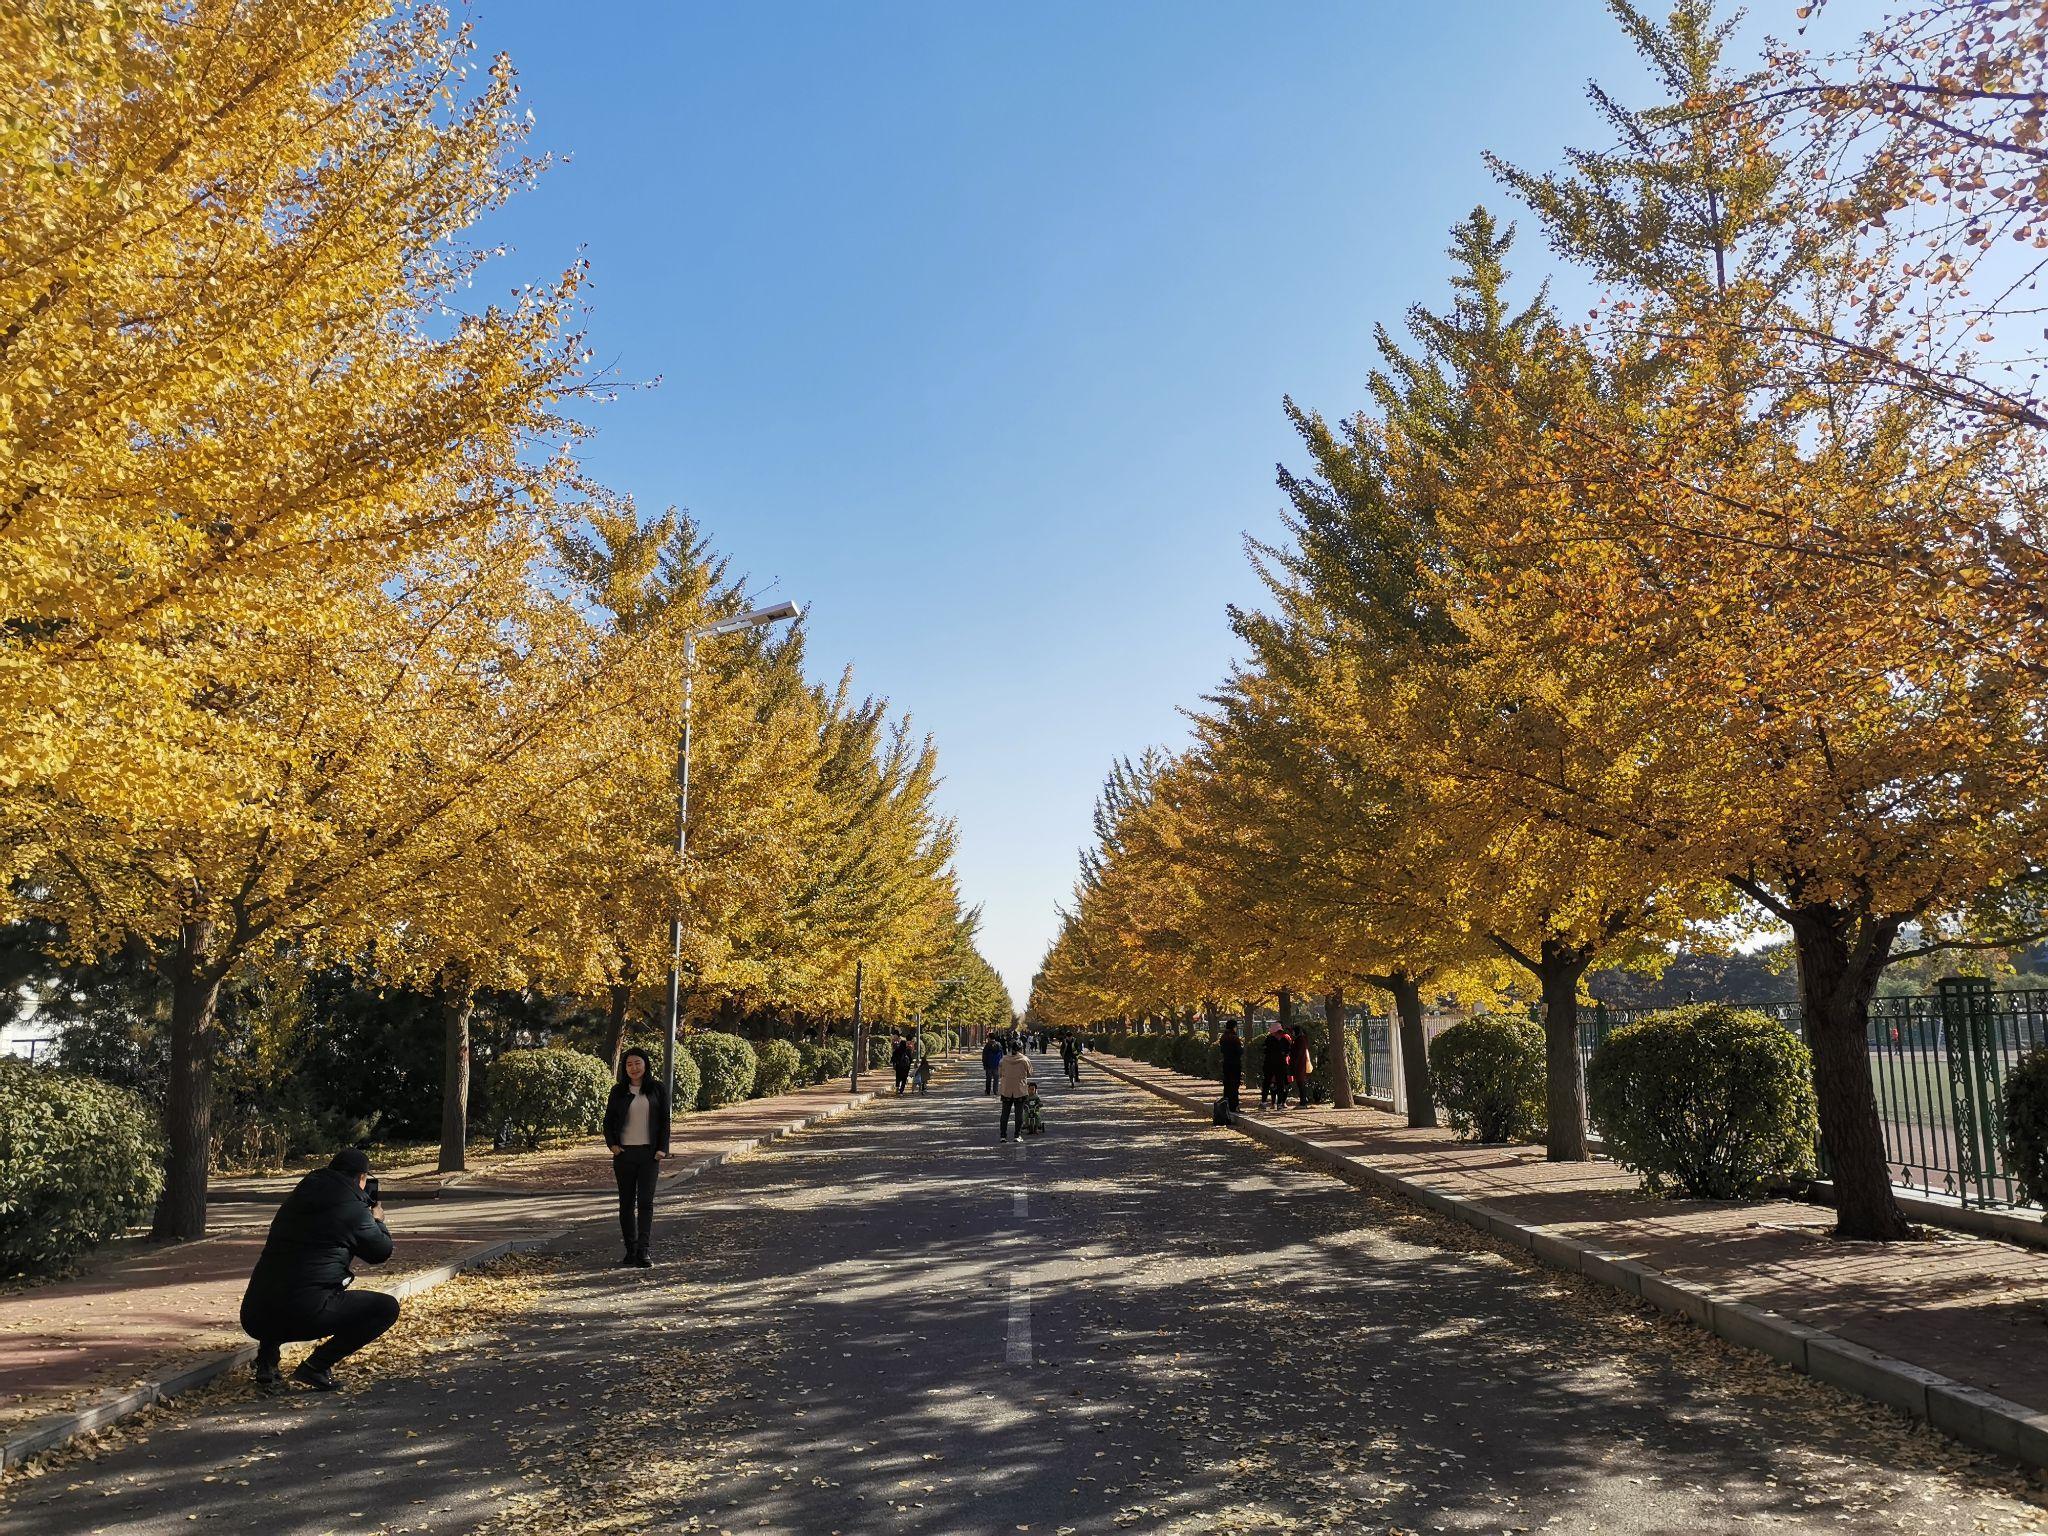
(318, 1377)
(268, 1374)
(641, 1261)
(626, 1261)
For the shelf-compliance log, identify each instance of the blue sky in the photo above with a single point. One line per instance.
(972, 322)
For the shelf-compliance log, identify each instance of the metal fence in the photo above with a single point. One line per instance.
(1939, 1064)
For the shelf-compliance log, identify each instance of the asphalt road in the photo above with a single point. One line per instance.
(892, 1324)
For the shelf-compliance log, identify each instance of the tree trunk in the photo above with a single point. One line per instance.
(188, 1097)
(622, 995)
(458, 1001)
(1339, 1057)
(1212, 1017)
(1836, 981)
(1415, 1079)
(1564, 1092)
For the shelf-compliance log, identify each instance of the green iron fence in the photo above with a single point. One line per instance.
(1939, 1065)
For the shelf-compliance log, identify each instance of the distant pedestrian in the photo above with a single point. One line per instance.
(1014, 1081)
(991, 1063)
(1070, 1056)
(921, 1073)
(300, 1286)
(1298, 1063)
(1230, 1053)
(1275, 1064)
(636, 1129)
(900, 1058)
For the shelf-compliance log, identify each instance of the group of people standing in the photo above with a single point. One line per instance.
(1284, 1056)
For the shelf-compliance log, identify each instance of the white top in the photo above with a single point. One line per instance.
(636, 1133)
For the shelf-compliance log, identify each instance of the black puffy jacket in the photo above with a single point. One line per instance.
(657, 1115)
(323, 1225)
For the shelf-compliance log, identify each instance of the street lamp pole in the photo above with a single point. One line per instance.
(860, 1033)
(760, 618)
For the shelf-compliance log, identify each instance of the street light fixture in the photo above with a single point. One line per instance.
(759, 618)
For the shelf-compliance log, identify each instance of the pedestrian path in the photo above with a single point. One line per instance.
(75, 1340)
(1973, 1310)
(894, 1324)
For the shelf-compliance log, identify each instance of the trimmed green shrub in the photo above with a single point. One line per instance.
(775, 1069)
(935, 1042)
(1709, 1100)
(726, 1064)
(808, 1067)
(1196, 1056)
(835, 1059)
(2026, 1123)
(881, 1043)
(79, 1161)
(538, 1092)
(689, 1082)
(1488, 1074)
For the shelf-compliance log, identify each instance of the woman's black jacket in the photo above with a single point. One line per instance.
(1231, 1049)
(323, 1224)
(657, 1115)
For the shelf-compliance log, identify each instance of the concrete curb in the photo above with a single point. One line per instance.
(58, 1429)
(1977, 1418)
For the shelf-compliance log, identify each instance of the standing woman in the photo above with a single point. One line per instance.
(636, 1130)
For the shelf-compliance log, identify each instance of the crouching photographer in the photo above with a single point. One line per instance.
(300, 1287)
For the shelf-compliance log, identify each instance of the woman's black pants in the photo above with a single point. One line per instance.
(635, 1169)
(347, 1320)
(1233, 1080)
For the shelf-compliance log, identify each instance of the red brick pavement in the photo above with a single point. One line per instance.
(144, 1307)
(1973, 1309)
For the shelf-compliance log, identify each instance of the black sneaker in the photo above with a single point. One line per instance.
(641, 1261)
(268, 1373)
(626, 1262)
(318, 1377)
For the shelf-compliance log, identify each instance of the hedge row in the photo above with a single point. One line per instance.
(80, 1161)
(1708, 1101)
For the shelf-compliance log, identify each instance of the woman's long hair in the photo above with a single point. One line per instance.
(649, 1083)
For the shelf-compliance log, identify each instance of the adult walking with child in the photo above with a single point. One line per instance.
(1014, 1080)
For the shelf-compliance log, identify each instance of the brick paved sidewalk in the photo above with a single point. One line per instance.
(1972, 1309)
(151, 1306)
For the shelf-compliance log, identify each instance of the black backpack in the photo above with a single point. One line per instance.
(1222, 1115)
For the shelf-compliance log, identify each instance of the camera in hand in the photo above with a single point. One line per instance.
(370, 1191)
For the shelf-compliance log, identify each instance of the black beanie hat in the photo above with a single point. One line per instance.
(353, 1161)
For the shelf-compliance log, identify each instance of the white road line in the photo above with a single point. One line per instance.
(1020, 1204)
(1017, 1349)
